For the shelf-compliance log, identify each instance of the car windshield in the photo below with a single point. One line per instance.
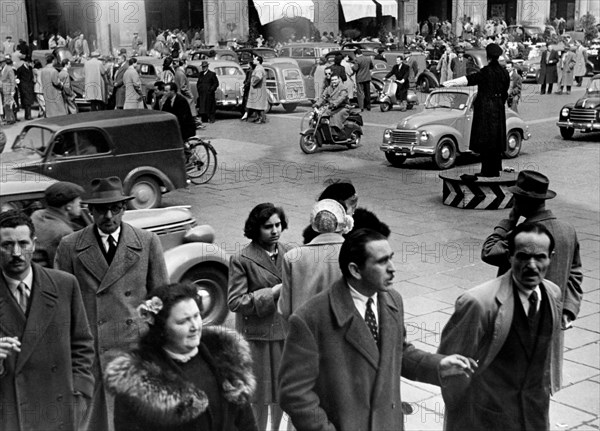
(33, 138)
(594, 86)
(267, 53)
(228, 71)
(325, 51)
(447, 100)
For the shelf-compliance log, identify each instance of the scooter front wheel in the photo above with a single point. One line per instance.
(385, 106)
(308, 143)
(354, 140)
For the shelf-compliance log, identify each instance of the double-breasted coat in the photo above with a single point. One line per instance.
(119, 85)
(133, 89)
(478, 329)
(548, 72)
(565, 270)
(26, 84)
(567, 65)
(52, 89)
(252, 274)
(112, 293)
(38, 386)
(207, 86)
(259, 97)
(333, 376)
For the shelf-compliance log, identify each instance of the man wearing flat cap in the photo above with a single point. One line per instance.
(63, 200)
(530, 195)
(488, 133)
(116, 265)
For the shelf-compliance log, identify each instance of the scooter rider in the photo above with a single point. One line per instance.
(401, 72)
(335, 98)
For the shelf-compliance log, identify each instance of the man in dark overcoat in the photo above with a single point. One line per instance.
(530, 194)
(400, 71)
(117, 265)
(25, 76)
(46, 348)
(507, 325)
(119, 84)
(363, 68)
(488, 133)
(179, 106)
(207, 86)
(548, 68)
(346, 348)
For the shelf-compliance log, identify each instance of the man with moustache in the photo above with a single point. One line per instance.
(46, 348)
(346, 348)
(507, 325)
(117, 265)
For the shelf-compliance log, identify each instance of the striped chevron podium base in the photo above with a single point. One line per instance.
(483, 194)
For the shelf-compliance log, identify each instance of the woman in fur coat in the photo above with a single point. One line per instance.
(182, 376)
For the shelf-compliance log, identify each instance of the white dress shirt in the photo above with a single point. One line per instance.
(104, 237)
(360, 302)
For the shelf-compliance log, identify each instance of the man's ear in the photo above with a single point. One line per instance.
(354, 270)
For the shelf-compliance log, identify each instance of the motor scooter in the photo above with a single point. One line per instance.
(387, 96)
(319, 132)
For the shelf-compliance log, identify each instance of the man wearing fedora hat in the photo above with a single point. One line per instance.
(530, 195)
(116, 265)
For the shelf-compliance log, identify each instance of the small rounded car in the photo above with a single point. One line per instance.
(142, 147)
(189, 249)
(583, 115)
(442, 131)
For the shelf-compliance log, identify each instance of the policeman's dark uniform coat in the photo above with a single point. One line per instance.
(488, 133)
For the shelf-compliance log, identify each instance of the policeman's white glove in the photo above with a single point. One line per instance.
(458, 82)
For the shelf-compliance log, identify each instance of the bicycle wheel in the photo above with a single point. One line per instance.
(202, 164)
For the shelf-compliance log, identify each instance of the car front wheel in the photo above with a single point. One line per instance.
(424, 86)
(567, 132)
(146, 192)
(290, 107)
(445, 154)
(211, 284)
(513, 144)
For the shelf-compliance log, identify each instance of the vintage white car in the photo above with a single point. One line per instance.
(443, 129)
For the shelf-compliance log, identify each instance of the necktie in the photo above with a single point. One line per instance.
(112, 248)
(22, 296)
(370, 320)
(533, 299)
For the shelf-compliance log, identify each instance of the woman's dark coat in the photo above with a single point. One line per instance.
(152, 394)
(488, 133)
(207, 85)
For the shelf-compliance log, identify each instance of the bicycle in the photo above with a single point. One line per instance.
(200, 160)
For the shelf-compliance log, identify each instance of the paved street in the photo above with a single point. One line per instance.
(436, 247)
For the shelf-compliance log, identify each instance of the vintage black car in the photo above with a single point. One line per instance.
(583, 115)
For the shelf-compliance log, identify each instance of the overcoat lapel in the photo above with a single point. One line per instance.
(90, 255)
(357, 333)
(128, 253)
(13, 317)
(389, 337)
(44, 296)
(258, 255)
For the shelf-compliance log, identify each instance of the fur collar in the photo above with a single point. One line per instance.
(161, 395)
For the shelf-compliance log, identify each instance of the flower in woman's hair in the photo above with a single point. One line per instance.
(149, 309)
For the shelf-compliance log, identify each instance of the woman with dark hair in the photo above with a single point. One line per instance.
(488, 136)
(254, 288)
(183, 376)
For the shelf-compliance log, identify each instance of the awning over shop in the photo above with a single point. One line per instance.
(272, 10)
(389, 7)
(356, 9)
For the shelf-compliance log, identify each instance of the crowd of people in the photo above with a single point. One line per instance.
(319, 329)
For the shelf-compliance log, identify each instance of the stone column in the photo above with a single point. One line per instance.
(476, 9)
(533, 12)
(407, 18)
(224, 20)
(13, 19)
(584, 6)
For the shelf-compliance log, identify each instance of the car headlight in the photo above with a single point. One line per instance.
(424, 136)
(532, 69)
(564, 112)
(387, 135)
